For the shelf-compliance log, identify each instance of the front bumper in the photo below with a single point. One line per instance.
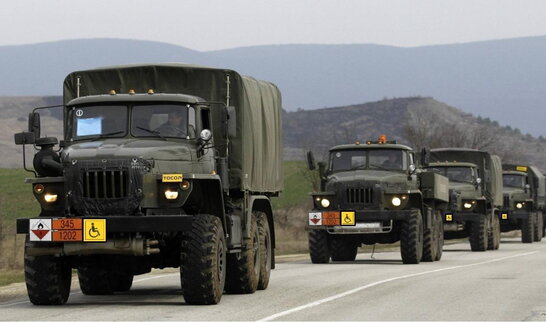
(128, 224)
(507, 215)
(450, 217)
(358, 221)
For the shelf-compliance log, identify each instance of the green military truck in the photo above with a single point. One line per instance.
(475, 195)
(164, 165)
(523, 201)
(376, 193)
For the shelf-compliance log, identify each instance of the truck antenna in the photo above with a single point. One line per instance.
(78, 84)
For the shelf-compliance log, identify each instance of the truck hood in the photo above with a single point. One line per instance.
(124, 148)
(467, 190)
(514, 193)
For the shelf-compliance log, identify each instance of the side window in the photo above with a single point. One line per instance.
(205, 119)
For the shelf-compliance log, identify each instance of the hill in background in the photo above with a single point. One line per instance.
(433, 123)
(501, 79)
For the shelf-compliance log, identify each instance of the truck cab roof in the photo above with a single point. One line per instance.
(371, 146)
(451, 164)
(114, 98)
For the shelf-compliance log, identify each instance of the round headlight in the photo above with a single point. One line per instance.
(325, 203)
(467, 205)
(396, 201)
(50, 197)
(519, 205)
(171, 195)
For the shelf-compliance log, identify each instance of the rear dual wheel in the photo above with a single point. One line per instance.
(433, 239)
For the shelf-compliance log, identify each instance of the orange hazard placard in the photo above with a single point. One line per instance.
(67, 235)
(330, 218)
(67, 224)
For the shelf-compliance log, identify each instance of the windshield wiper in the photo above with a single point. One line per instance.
(156, 133)
(100, 136)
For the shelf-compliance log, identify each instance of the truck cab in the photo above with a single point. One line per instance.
(375, 193)
(523, 201)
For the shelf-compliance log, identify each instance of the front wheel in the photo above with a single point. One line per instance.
(203, 261)
(493, 240)
(411, 239)
(319, 246)
(527, 229)
(47, 279)
(478, 234)
(537, 231)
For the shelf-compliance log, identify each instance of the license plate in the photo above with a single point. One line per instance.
(368, 225)
(67, 235)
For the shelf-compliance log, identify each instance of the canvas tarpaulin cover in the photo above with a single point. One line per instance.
(255, 152)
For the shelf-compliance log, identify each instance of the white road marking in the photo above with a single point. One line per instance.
(363, 287)
(78, 292)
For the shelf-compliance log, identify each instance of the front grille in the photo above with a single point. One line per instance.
(103, 184)
(359, 195)
(506, 202)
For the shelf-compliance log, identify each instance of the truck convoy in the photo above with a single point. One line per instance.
(376, 193)
(164, 165)
(475, 195)
(523, 202)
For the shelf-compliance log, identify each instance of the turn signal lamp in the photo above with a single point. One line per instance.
(48, 197)
(113, 92)
(382, 139)
(131, 92)
(185, 185)
(150, 91)
(39, 188)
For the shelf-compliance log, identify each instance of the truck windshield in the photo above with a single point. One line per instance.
(90, 122)
(164, 120)
(382, 159)
(513, 180)
(460, 174)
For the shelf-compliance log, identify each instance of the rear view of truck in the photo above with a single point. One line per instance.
(164, 165)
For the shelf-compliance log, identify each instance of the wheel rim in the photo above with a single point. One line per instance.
(220, 260)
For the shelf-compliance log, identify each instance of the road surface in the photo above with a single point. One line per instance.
(508, 284)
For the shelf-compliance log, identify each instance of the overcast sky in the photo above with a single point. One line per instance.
(218, 24)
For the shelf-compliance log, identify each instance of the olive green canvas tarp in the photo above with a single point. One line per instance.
(255, 160)
(489, 167)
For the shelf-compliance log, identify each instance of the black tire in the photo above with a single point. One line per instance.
(203, 261)
(440, 237)
(243, 272)
(319, 246)
(343, 249)
(537, 228)
(527, 229)
(95, 278)
(478, 234)
(47, 278)
(411, 239)
(265, 250)
(430, 240)
(493, 239)
(121, 282)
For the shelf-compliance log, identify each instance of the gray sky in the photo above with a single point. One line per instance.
(218, 24)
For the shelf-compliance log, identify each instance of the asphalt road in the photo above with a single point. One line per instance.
(508, 284)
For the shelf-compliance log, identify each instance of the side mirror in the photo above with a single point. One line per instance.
(412, 168)
(321, 169)
(478, 180)
(24, 138)
(231, 121)
(311, 160)
(527, 187)
(34, 124)
(425, 156)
